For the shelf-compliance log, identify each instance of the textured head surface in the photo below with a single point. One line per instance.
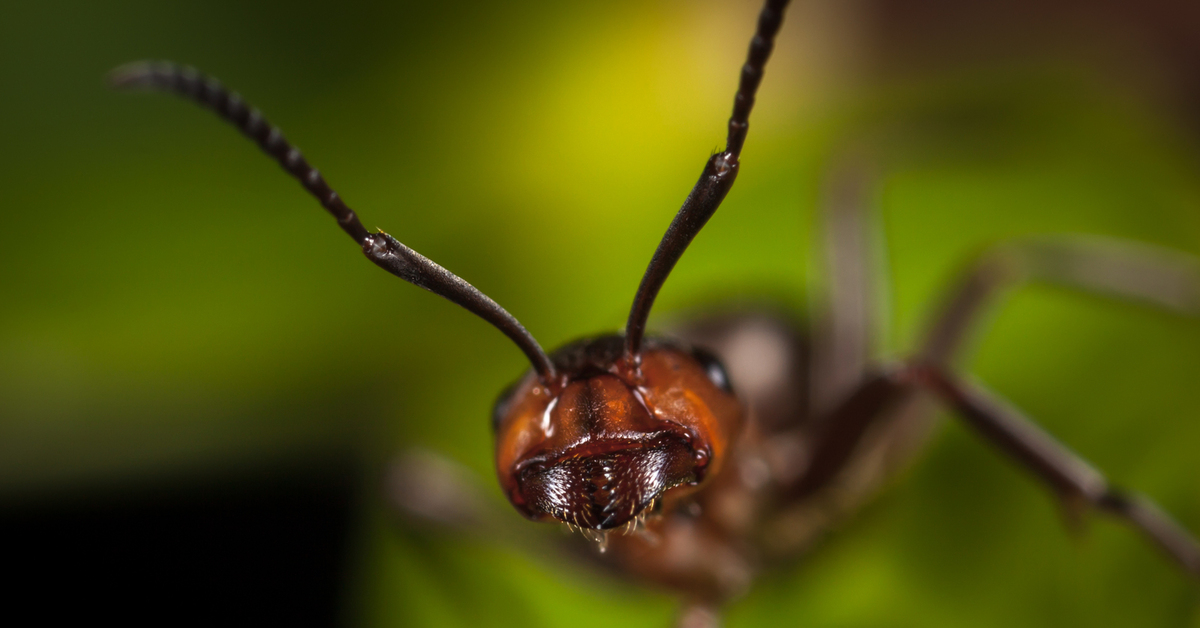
(601, 446)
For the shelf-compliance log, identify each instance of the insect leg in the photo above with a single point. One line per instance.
(698, 614)
(1071, 477)
(843, 428)
(1074, 480)
(1116, 268)
(1122, 269)
(847, 396)
(842, 319)
(427, 488)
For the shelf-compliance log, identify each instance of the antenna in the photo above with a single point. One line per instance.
(715, 181)
(381, 248)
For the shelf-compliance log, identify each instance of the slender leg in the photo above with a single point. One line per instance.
(1115, 268)
(847, 396)
(1074, 480)
(1071, 477)
(842, 430)
(1110, 267)
(842, 321)
(1125, 270)
(1122, 269)
(429, 488)
(698, 614)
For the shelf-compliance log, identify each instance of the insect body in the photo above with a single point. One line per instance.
(649, 437)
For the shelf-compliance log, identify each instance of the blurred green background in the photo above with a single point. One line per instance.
(174, 309)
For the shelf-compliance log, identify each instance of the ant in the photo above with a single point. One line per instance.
(683, 459)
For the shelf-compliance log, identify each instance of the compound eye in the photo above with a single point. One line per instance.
(503, 404)
(714, 369)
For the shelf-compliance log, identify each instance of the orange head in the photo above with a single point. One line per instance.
(601, 444)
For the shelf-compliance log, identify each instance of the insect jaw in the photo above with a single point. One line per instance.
(604, 485)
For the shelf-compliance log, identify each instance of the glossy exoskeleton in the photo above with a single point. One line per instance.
(742, 437)
(599, 448)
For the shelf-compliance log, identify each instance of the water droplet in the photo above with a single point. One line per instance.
(599, 537)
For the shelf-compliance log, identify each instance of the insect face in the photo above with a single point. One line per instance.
(613, 436)
(601, 432)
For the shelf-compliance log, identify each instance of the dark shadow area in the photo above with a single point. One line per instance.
(267, 550)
